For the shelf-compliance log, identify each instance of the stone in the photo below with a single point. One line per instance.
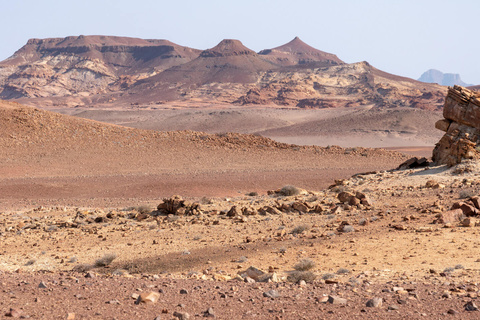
(432, 184)
(442, 124)
(471, 306)
(337, 300)
(181, 315)
(393, 307)
(249, 280)
(70, 316)
(452, 311)
(375, 303)
(452, 216)
(272, 210)
(148, 297)
(476, 202)
(354, 201)
(233, 212)
(135, 296)
(299, 206)
(254, 272)
(344, 197)
(209, 313)
(268, 277)
(14, 313)
(271, 294)
(468, 222)
(183, 291)
(366, 202)
(469, 210)
(42, 285)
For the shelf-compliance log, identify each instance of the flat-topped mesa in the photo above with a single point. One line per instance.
(462, 126)
(226, 48)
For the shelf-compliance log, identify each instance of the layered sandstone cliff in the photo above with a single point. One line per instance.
(461, 125)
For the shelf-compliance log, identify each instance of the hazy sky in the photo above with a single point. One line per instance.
(402, 37)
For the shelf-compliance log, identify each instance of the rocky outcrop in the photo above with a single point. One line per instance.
(461, 125)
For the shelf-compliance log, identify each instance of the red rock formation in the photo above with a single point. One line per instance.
(462, 126)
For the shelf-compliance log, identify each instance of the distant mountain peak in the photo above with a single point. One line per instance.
(298, 52)
(228, 47)
(444, 79)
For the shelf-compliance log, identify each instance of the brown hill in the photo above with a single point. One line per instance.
(297, 52)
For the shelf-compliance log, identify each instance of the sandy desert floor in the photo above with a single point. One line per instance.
(81, 236)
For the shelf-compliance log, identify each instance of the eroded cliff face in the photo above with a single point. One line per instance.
(461, 125)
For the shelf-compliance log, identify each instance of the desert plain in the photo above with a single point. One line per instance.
(187, 209)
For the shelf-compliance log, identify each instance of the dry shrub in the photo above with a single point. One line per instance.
(289, 191)
(305, 265)
(327, 276)
(343, 271)
(300, 229)
(105, 260)
(296, 276)
(466, 194)
(83, 267)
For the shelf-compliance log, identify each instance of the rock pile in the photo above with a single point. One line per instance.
(461, 212)
(462, 126)
(178, 206)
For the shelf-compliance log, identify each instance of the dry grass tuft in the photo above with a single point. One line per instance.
(289, 191)
(296, 276)
(305, 265)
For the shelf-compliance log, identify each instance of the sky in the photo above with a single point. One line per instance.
(401, 37)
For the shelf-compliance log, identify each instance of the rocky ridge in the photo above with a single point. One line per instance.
(106, 71)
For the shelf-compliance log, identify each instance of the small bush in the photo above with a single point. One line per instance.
(73, 259)
(105, 260)
(282, 250)
(289, 191)
(299, 229)
(296, 276)
(459, 266)
(252, 194)
(448, 270)
(466, 194)
(305, 265)
(343, 271)
(327, 276)
(83, 267)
